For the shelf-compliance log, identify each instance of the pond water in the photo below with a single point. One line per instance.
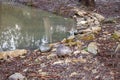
(24, 27)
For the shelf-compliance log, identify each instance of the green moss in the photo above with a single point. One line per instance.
(116, 35)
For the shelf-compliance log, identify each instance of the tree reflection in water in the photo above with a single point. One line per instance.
(24, 27)
(48, 29)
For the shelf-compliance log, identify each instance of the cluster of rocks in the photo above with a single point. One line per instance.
(68, 47)
(87, 19)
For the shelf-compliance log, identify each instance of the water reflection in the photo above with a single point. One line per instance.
(24, 27)
(48, 30)
(0, 12)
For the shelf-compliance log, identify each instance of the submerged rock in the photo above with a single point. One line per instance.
(92, 48)
(63, 50)
(17, 76)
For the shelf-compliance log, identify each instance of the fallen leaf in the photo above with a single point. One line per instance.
(79, 60)
(58, 62)
(117, 50)
(73, 74)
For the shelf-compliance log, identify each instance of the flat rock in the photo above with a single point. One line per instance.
(92, 48)
(17, 76)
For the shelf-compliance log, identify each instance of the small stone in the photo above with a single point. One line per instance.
(92, 48)
(63, 50)
(96, 29)
(94, 71)
(17, 76)
(45, 47)
(43, 65)
(37, 60)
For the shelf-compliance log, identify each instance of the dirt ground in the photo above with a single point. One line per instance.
(43, 66)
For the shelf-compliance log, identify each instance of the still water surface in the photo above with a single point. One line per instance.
(24, 27)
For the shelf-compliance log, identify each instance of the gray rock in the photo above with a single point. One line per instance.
(63, 50)
(44, 47)
(92, 48)
(17, 76)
